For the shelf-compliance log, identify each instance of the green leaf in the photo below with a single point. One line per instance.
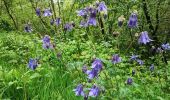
(35, 75)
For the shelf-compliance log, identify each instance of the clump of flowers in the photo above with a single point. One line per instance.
(96, 68)
(89, 14)
(94, 91)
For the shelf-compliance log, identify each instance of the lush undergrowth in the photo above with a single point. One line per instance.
(84, 49)
(60, 70)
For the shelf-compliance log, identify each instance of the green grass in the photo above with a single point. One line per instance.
(56, 78)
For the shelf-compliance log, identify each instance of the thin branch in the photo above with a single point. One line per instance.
(148, 18)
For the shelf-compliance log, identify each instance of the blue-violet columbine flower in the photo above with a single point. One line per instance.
(129, 81)
(92, 73)
(133, 21)
(46, 42)
(58, 21)
(68, 26)
(92, 18)
(166, 46)
(116, 59)
(82, 12)
(32, 64)
(94, 91)
(97, 64)
(47, 12)
(38, 12)
(134, 57)
(79, 90)
(144, 38)
(102, 7)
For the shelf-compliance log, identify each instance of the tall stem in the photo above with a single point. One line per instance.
(10, 15)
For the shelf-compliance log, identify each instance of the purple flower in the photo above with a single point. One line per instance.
(151, 68)
(134, 57)
(97, 64)
(92, 73)
(102, 7)
(68, 27)
(82, 12)
(38, 12)
(32, 64)
(58, 21)
(47, 12)
(92, 18)
(28, 28)
(79, 90)
(129, 81)
(166, 46)
(46, 42)
(94, 91)
(133, 21)
(116, 59)
(144, 38)
(140, 62)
